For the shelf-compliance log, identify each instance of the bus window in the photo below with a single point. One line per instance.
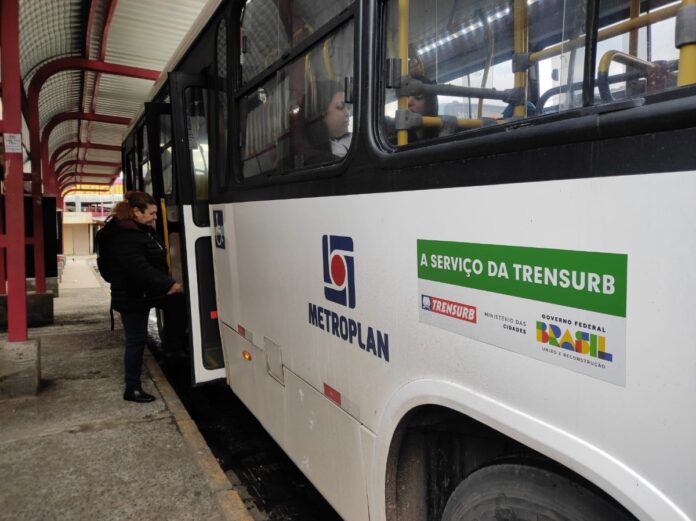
(300, 117)
(165, 144)
(145, 162)
(271, 28)
(463, 66)
(220, 93)
(197, 126)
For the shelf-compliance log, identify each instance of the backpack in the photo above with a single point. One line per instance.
(101, 245)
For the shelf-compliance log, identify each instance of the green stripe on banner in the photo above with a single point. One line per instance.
(580, 279)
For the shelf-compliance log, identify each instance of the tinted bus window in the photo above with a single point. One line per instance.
(199, 148)
(299, 117)
(516, 59)
(271, 28)
(166, 153)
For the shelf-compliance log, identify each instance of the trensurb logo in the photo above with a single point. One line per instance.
(339, 273)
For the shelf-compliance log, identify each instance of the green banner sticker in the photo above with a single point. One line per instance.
(592, 281)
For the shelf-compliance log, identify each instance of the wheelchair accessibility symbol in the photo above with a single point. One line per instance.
(219, 229)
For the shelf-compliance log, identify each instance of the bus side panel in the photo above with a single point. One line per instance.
(321, 439)
(249, 379)
(324, 442)
(645, 424)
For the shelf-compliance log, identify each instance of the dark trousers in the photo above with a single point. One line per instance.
(135, 333)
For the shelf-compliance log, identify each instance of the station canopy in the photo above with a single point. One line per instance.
(134, 33)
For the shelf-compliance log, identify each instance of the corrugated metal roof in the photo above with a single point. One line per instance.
(65, 132)
(101, 155)
(156, 26)
(61, 93)
(121, 96)
(106, 133)
(140, 34)
(48, 30)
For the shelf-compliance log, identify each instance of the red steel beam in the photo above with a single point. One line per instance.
(106, 191)
(14, 179)
(39, 154)
(67, 116)
(86, 174)
(78, 183)
(67, 178)
(88, 38)
(3, 272)
(102, 56)
(37, 82)
(66, 147)
(40, 270)
(81, 175)
(82, 162)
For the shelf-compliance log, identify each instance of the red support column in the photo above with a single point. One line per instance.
(3, 273)
(14, 179)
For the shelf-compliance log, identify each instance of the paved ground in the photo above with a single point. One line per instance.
(77, 450)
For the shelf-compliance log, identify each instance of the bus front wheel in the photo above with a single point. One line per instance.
(513, 492)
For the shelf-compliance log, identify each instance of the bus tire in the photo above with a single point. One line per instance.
(513, 492)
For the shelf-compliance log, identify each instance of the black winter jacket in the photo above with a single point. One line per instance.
(137, 264)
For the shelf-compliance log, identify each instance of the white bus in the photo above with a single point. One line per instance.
(444, 249)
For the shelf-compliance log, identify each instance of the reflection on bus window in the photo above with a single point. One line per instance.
(300, 116)
(197, 127)
(165, 124)
(467, 65)
(133, 182)
(147, 177)
(271, 28)
(167, 170)
(145, 170)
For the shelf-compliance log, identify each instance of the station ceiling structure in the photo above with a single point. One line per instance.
(73, 75)
(86, 68)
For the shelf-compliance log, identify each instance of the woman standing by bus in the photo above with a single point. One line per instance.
(136, 262)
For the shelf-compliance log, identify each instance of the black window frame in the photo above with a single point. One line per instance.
(238, 91)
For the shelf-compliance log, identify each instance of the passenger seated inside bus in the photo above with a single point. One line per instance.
(425, 105)
(328, 138)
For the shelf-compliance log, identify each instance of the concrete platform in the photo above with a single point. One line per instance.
(78, 451)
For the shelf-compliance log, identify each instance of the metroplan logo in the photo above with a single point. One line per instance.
(339, 271)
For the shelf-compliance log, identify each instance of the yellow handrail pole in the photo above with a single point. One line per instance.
(521, 47)
(608, 32)
(165, 230)
(309, 73)
(436, 121)
(687, 56)
(633, 36)
(624, 59)
(402, 135)
(327, 60)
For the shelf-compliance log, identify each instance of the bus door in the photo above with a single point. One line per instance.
(187, 203)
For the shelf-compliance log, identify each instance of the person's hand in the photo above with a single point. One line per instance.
(176, 288)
